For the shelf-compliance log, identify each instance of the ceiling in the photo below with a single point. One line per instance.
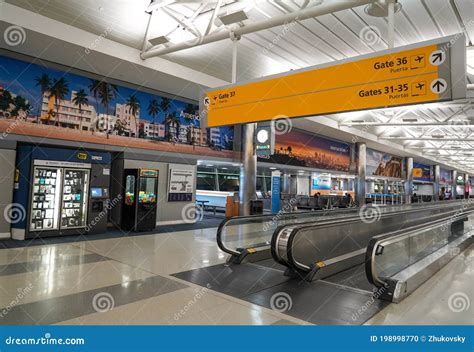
(441, 132)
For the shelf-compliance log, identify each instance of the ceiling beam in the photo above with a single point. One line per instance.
(300, 15)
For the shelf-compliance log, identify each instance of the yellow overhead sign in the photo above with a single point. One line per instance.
(412, 76)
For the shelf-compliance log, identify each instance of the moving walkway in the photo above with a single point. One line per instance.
(399, 262)
(247, 238)
(318, 249)
(379, 259)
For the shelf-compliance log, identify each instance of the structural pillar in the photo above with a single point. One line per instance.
(248, 170)
(361, 155)
(409, 180)
(437, 169)
(286, 183)
(454, 177)
(467, 186)
(385, 186)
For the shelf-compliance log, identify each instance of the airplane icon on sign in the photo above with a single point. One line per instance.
(420, 85)
(419, 58)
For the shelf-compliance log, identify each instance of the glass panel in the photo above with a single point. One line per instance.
(396, 254)
(45, 199)
(253, 231)
(206, 182)
(75, 198)
(147, 190)
(130, 190)
(228, 183)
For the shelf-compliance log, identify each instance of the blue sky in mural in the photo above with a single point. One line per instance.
(19, 78)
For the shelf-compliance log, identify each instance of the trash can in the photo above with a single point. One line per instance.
(256, 207)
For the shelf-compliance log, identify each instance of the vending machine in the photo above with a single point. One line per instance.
(59, 198)
(140, 199)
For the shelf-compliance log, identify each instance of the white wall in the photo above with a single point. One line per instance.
(7, 172)
(303, 184)
(424, 190)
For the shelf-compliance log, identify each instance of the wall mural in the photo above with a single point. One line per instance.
(302, 149)
(383, 164)
(445, 176)
(422, 172)
(39, 95)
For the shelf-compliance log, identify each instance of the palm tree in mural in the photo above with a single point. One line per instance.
(79, 100)
(153, 110)
(21, 108)
(59, 90)
(134, 104)
(6, 100)
(105, 93)
(94, 88)
(189, 112)
(172, 121)
(164, 107)
(44, 82)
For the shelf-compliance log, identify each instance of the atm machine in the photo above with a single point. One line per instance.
(140, 199)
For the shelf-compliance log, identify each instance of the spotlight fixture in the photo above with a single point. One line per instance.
(158, 40)
(235, 17)
(380, 8)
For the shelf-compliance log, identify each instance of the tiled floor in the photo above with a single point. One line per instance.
(129, 281)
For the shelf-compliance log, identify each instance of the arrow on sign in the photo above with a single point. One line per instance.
(438, 57)
(438, 85)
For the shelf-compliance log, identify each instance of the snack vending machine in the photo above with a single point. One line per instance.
(59, 198)
(140, 203)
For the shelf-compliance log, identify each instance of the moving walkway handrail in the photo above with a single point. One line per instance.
(292, 230)
(269, 217)
(397, 236)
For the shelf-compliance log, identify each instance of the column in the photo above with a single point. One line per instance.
(248, 170)
(385, 186)
(409, 180)
(360, 191)
(286, 183)
(466, 186)
(436, 182)
(453, 184)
